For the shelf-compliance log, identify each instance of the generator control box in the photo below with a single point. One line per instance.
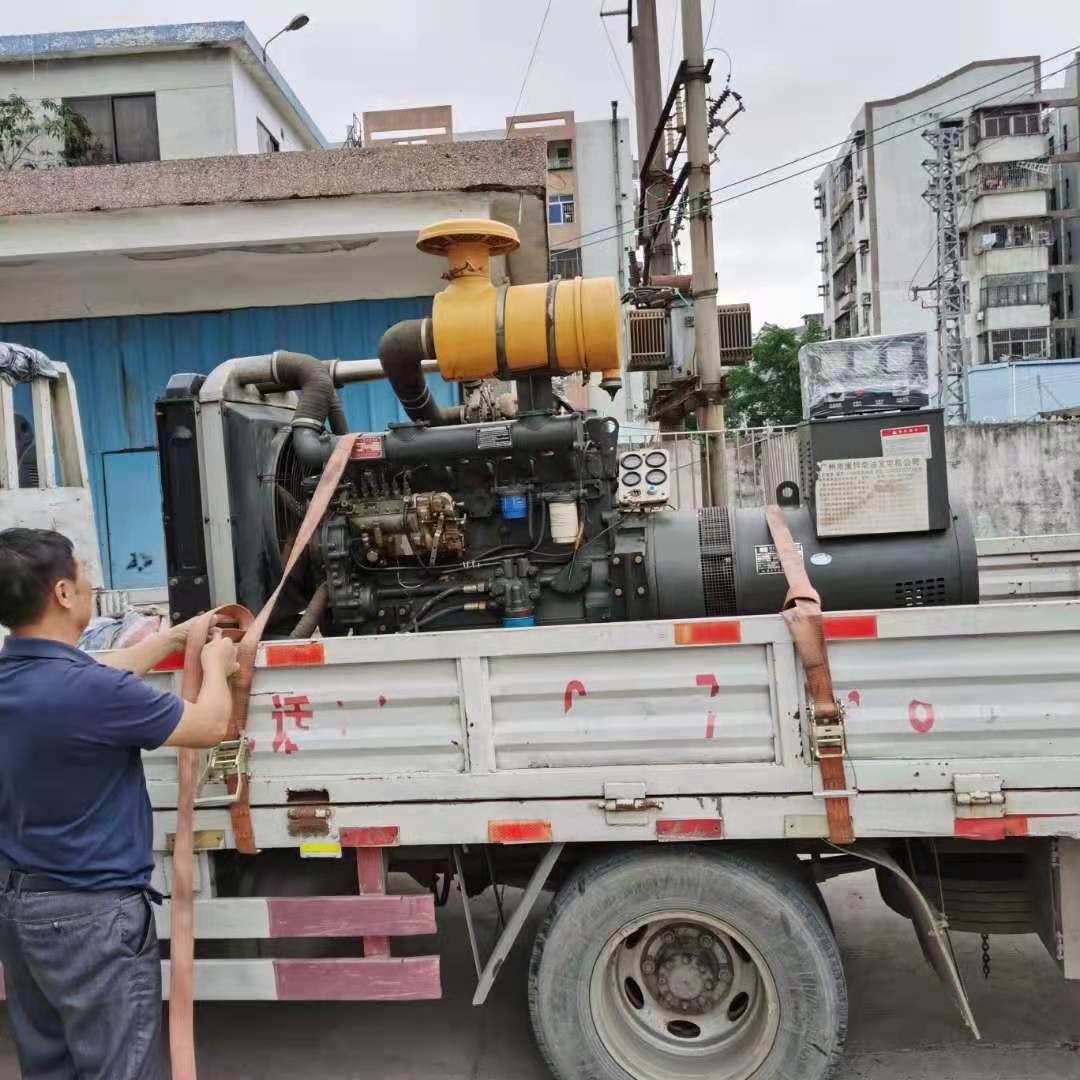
(875, 474)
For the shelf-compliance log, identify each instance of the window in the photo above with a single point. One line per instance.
(1024, 343)
(566, 263)
(963, 245)
(1011, 290)
(560, 209)
(267, 143)
(1023, 120)
(117, 130)
(560, 154)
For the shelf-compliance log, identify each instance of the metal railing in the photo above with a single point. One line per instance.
(757, 460)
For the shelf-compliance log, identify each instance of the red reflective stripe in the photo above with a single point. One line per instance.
(992, 828)
(842, 627)
(728, 632)
(351, 916)
(310, 654)
(370, 836)
(690, 829)
(519, 832)
(383, 978)
(175, 662)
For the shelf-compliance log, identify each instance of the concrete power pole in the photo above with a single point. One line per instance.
(648, 99)
(699, 212)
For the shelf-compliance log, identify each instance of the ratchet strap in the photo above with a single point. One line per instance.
(249, 630)
(802, 616)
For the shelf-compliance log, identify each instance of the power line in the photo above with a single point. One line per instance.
(712, 16)
(532, 57)
(663, 210)
(615, 55)
(671, 46)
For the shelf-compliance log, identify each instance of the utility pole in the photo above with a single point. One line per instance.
(943, 195)
(699, 211)
(647, 100)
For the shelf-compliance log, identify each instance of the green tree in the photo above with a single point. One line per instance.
(766, 391)
(52, 134)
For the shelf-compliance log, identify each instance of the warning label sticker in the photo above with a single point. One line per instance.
(858, 496)
(367, 448)
(766, 560)
(912, 441)
(493, 437)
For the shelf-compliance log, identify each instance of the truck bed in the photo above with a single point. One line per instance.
(447, 737)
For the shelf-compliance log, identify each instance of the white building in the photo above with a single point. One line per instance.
(590, 202)
(1020, 228)
(156, 93)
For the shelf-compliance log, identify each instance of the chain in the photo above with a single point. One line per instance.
(986, 955)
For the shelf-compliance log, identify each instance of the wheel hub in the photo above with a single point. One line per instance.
(685, 970)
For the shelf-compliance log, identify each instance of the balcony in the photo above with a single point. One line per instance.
(843, 249)
(1002, 177)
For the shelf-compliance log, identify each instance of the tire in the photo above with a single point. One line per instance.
(668, 964)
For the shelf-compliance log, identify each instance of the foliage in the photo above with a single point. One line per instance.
(52, 134)
(766, 391)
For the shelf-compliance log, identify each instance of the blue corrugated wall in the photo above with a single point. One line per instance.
(121, 365)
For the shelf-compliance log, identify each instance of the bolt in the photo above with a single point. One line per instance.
(618, 592)
(382, 628)
(641, 590)
(648, 966)
(705, 941)
(173, 582)
(668, 937)
(616, 561)
(382, 612)
(662, 981)
(402, 611)
(638, 560)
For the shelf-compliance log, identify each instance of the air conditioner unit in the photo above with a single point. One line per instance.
(819, 202)
(866, 298)
(862, 189)
(819, 247)
(864, 245)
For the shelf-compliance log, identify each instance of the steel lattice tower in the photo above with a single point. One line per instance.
(943, 195)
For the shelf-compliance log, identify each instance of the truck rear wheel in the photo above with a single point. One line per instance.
(662, 965)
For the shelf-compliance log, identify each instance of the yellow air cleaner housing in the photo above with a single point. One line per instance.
(482, 331)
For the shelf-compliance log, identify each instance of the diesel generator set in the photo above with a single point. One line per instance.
(514, 508)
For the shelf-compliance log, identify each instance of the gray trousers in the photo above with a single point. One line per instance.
(83, 979)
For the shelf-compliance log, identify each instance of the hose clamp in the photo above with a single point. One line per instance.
(500, 330)
(552, 351)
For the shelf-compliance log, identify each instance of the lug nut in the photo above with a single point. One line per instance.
(648, 966)
(705, 941)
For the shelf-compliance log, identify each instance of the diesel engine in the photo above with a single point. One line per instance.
(510, 510)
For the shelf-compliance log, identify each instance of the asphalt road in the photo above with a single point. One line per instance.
(902, 1027)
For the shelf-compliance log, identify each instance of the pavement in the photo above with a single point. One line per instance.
(902, 1025)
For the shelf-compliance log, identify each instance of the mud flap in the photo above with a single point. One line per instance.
(931, 927)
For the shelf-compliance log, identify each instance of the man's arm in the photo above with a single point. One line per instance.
(205, 721)
(149, 652)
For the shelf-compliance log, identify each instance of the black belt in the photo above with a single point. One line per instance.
(22, 881)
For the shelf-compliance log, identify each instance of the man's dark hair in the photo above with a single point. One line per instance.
(32, 561)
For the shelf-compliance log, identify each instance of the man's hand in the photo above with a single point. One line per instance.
(219, 654)
(178, 634)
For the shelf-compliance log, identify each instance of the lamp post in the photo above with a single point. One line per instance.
(297, 22)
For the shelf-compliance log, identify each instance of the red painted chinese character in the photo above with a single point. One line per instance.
(296, 709)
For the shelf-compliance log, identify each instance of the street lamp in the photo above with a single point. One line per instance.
(297, 22)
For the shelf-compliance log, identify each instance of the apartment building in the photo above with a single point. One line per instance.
(1017, 145)
(160, 93)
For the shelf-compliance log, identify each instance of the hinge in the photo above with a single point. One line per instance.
(625, 803)
(978, 795)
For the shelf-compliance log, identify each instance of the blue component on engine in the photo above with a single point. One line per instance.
(519, 620)
(514, 507)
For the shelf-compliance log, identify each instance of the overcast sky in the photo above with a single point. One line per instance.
(802, 66)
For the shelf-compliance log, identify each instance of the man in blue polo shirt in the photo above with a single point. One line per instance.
(77, 937)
